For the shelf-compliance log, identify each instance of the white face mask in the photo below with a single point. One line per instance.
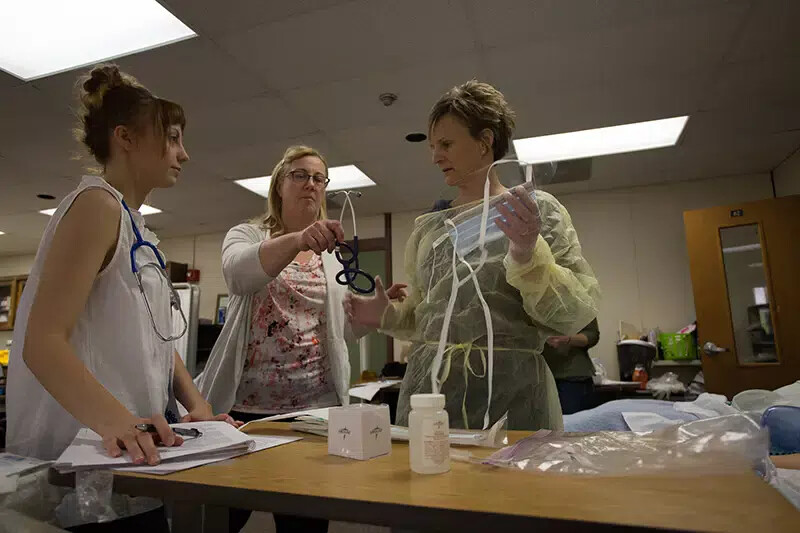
(470, 231)
(469, 226)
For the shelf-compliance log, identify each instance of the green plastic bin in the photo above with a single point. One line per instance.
(677, 346)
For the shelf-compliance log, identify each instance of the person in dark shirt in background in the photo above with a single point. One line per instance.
(568, 359)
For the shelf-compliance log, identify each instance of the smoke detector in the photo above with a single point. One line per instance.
(387, 98)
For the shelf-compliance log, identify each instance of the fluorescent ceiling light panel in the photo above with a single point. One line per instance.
(39, 38)
(346, 177)
(2, 232)
(601, 141)
(144, 210)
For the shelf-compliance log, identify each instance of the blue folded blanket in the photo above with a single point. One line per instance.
(608, 417)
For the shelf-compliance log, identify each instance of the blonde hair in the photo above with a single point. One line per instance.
(272, 220)
(479, 106)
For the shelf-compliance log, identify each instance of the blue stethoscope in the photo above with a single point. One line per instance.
(174, 300)
(350, 270)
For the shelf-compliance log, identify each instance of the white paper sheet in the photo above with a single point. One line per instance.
(368, 391)
(87, 451)
(262, 442)
(606, 381)
(11, 464)
(316, 413)
(647, 422)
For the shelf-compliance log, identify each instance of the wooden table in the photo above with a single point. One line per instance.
(302, 479)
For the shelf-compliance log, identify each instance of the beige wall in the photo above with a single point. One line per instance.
(402, 224)
(16, 265)
(787, 176)
(202, 252)
(635, 241)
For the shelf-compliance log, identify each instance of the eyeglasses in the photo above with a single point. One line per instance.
(300, 177)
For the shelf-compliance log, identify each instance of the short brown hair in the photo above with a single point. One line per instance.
(479, 106)
(272, 219)
(110, 98)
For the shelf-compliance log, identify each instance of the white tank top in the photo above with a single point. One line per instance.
(113, 337)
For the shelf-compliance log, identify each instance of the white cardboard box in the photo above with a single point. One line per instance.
(359, 431)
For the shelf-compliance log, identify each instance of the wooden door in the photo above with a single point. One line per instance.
(745, 267)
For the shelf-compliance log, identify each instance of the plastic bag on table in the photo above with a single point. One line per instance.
(32, 496)
(665, 385)
(599, 371)
(94, 501)
(754, 402)
(14, 522)
(91, 501)
(713, 445)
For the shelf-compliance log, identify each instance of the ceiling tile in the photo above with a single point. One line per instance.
(765, 82)
(253, 160)
(192, 72)
(349, 40)
(513, 22)
(215, 18)
(7, 80)
(252, 121)
(543, 110)
(344, 104)
(19, 198)
(770, 32)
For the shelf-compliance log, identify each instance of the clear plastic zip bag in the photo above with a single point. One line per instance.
(710, 446)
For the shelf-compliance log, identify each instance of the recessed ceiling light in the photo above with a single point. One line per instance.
(345, 177)
(46, 196)
(144, 210)
(43, 37)
(601, 141)
(416, 137)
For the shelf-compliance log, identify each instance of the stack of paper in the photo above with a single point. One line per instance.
(320, 414)
(16, 465)
(262, 442)
(219, 441)
(367, 391)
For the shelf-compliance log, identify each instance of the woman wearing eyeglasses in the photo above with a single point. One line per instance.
(93, 344)
(283, 348)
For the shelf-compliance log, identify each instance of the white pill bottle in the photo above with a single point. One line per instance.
(428, 434)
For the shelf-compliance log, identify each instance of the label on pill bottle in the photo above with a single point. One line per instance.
(435, 442)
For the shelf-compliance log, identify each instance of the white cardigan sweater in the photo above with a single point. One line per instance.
(244, 276)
